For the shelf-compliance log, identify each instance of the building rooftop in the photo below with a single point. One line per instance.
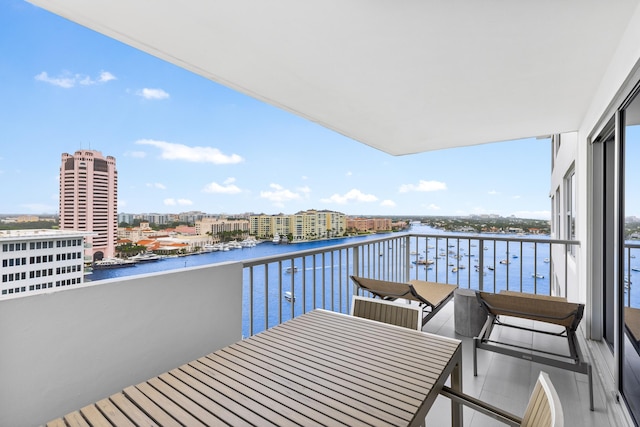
(30, 234)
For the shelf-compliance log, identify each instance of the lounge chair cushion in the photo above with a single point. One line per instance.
(542, 308)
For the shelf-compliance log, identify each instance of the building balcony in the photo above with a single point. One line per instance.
(64, 350)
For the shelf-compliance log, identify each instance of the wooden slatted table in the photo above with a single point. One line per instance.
(321, 368)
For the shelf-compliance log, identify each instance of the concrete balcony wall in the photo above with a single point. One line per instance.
(64, 350)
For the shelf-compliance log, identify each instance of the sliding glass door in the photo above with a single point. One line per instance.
(629, 302)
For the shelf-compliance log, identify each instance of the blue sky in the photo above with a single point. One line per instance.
(184, 143)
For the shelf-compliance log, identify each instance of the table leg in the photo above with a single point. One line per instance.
(456, 384)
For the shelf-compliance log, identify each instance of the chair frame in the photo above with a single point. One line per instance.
(543, 392)
(402, 310)
(570, 319)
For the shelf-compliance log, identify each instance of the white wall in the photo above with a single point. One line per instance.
(63, 350)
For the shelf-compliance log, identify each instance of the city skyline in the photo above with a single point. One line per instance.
(184, 143)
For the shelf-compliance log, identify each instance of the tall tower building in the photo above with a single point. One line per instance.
(89, 199)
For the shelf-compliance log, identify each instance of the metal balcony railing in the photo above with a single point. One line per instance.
(631, 274)
(278, 288)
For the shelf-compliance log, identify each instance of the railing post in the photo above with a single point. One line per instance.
(407, 258)
(481, 264)
(356, 266)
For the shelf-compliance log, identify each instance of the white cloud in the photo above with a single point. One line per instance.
(517, 197)
(304, 177)
(174, 202)
(423, 186)
(349, 173)
(388, 203)
(122, 203)
(351, 195)
(106, 76)
(493, 192)
(279, 194)
(433, 207)
(305, 189)
(67, 80)
(136, 154)
(227, 188)
(171, 151)
(155, 94)
(229, 180)
(157, 185)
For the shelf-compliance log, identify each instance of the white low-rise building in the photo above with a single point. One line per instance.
(38, 261)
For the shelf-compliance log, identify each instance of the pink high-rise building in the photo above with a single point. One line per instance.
(89, 199)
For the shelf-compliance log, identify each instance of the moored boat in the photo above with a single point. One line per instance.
(113, 263)
(146, 257)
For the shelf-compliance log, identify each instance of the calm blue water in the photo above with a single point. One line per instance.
(264, 249)
(322, 281)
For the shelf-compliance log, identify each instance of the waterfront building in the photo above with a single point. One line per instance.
(304, 225)
(369, 224)
(38, 261)
(214, 227)
(27, 218)
(89, 199)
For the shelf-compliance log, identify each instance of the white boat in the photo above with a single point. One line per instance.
(210, 248)
(234, 245)
(276, 239)
(291, 270)
(113, 263)
(146, 257)
(289, 296)
(537, 276)
(248, 243)
(546, 260)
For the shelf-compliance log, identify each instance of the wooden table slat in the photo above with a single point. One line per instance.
(223, 409)
(345, 383)
(371, 367)
(150, 408)
(295, 398)
(133, 412)
(94, 417)
(75, 419)
(59, 422)
(113, 414)
(368, 334)
(181, 415)
(262, 410)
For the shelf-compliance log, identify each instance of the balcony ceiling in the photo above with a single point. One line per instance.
(400, 76)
